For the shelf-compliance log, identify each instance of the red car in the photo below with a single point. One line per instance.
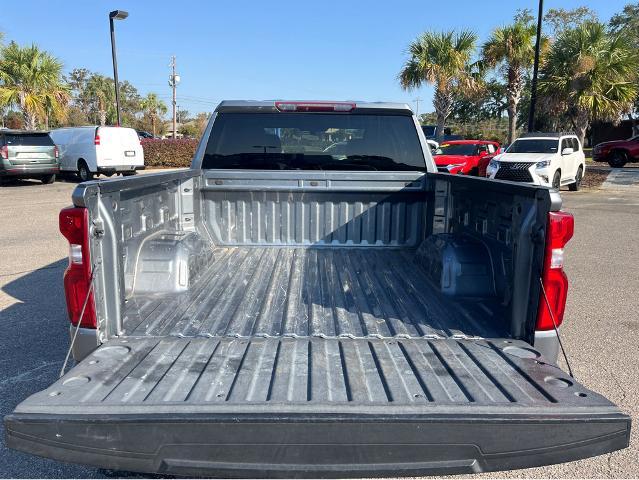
(468, 157)
(618, 152)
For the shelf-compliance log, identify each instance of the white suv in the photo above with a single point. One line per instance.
(549, 159)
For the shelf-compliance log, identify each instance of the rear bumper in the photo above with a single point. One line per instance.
(600, 156)
(27, 170)
(120, 168)
(318, 445)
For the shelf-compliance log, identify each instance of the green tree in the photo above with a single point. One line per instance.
(591, 74)
(129, 103)
(627, 23)
(154, 108)
(100, 96)
(32, 81)
(184, 116)
(512, 50)
(442, 59)
(561, 19)
(489, 103)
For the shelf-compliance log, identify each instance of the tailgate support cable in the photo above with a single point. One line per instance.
(554, 323)
(77, 328)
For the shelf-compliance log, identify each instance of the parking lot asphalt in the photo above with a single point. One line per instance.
(600, 329)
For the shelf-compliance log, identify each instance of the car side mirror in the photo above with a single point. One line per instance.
(567, 151)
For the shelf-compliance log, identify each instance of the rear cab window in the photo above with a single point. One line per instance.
(29, 139)
(313, 141)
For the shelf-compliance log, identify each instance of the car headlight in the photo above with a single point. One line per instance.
(454, 165)
(543, 164)
(493, 163)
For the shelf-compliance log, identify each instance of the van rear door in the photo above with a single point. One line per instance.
(118, 148)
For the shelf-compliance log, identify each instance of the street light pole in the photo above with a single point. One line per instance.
(533, 89)
(117, 15)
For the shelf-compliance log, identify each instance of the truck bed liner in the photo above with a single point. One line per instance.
(197, 375)
(315, 407)
(324, 292)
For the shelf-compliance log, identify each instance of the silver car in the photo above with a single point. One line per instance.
(28, 154)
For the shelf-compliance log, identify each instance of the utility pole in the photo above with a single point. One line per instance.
(533, 89)
(173, 81)
(417, 100)
(116, 15)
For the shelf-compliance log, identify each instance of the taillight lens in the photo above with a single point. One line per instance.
(56, 152)
(96, 138)
(314, 106)
(4, 152)
(561, 226)
(74, 225)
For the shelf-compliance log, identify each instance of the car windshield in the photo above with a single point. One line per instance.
(313, 141)
(457, 149)
(429, 130)
(534, 145)
(30, 139)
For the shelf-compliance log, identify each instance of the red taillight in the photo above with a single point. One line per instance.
(74, 225)
(4, 152)
(56, 152)
(314, 106)
(561, 226)
(96, 139)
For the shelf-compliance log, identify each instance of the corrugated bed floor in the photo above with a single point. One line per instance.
(197, 374)
(323, 292)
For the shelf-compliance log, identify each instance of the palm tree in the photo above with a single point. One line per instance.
(32, 81)
(513, 49)
(101, 95)
(153, 107)
(591, 74)
(442, 59)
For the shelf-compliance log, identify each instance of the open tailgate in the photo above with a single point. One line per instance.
(316, 407)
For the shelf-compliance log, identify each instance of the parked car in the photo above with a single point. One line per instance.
(142, 134)
(88, 151)
(430, 131)
(469, 157)
(28, 154)
(618, 152)
(281, 311)
(549, 159)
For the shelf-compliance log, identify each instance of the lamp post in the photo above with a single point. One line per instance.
(533, 89)
(116, 15)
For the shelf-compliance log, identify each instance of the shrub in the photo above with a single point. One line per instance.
(169, 153)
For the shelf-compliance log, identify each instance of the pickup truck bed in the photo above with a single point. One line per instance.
(278, 314)
(318, 292)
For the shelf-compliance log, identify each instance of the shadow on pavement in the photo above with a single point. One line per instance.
(35, 338)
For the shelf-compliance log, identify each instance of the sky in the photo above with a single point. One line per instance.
(317, 50)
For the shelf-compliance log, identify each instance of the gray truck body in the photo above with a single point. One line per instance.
(316, 324)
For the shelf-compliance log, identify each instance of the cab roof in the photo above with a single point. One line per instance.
(269, 106)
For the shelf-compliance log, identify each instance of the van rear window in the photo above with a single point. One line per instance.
(313, 141)
(30, 139)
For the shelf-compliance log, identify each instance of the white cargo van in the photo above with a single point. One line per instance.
(94, 150)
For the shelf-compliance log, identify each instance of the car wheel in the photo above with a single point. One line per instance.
(573, 187)
(47, 179)
(556, 180)
(617, 160)
(84, 173)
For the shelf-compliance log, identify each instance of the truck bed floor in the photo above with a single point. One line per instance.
(318, 292)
